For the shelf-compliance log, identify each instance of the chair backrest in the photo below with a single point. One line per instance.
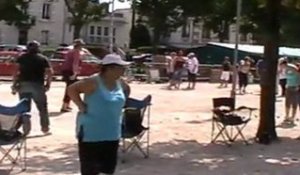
(20, 108)
(134, 114)
(9, 122)
(10, 116)
(224, 102)
(139, 104)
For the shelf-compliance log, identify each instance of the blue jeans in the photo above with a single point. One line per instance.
(177, 75)
(36, 92)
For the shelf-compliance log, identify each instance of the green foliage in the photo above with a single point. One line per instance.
(163, 16)
(222, 15)
(290, 28)
(196, 8)
(140, 36)
(85, 11)
(14, 12)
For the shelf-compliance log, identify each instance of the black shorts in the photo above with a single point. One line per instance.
(191, 77)
(98, 157)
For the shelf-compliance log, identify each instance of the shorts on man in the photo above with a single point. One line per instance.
(225, 76)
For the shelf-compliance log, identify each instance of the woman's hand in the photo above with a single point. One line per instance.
(86, 86)
(82, 107)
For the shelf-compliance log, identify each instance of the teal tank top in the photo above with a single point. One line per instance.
(102, 121)
(292, 78)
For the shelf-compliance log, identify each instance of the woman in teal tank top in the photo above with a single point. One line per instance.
(98, 125)
(292, 92)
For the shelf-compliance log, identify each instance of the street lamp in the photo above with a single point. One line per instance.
(236, 51)
(111, 36)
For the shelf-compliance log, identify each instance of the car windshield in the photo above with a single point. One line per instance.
(12, 48)
(85, 57)
(90, 57)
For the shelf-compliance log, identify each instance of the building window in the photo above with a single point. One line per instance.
(114, 32)
(46, 14)
(45, 37)
(92, 30)
(70, 28)
(106, 31)
(99, 31)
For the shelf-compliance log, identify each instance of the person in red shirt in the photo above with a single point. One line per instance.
(71, 69)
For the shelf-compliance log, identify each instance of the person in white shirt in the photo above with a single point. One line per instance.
(193, 68)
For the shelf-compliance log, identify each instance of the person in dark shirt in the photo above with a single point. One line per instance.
(225, 76)
(261, 71)
(29, 80)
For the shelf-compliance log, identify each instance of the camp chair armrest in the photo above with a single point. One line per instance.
(225, 111)
(245, 108)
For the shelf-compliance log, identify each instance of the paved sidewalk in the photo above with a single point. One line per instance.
(180, 135)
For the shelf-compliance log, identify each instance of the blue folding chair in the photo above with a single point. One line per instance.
(13, 141)
(134, 127)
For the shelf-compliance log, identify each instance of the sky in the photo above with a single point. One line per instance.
(119, 5)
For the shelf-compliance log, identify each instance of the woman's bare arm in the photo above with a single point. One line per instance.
(126, 88)
(86, 86)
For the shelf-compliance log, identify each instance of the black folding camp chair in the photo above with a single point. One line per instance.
(13, 150)
(229, 123)
(135, 130)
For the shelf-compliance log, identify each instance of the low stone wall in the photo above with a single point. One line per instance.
(209, 73)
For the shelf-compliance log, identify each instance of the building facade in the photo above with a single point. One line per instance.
(98, 33)
(193, 34)
(52, 26)
(49, 17)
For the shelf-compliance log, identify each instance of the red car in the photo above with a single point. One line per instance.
(90, 63)
(7, 62)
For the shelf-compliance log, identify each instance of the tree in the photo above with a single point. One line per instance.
(140, 36)
(266, 129)
(14, 12)
(83, 12)
(163, 16)
(290, 28)
(222, 15)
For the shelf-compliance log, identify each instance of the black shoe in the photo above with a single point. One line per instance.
(65, 110)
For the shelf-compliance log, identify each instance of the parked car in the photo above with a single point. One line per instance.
(90, 63)
(13, 47)
(7, 62)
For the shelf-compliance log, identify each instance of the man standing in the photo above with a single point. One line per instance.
(170, 66)
(29, 81)
(225, 75)
(70, 70)
(193, 68)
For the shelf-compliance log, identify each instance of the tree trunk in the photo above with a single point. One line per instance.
(268, 92)
(156, 39)
(77, 30)
(133, 6)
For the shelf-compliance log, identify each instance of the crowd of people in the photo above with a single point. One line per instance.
(244, 72)
(287, 78)
(178, 65)
(98, 124)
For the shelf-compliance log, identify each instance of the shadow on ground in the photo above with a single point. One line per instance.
(191, 158)
(44, 161)
(182, 157)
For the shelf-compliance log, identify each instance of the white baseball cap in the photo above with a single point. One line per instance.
(192, 54)
(114, 59)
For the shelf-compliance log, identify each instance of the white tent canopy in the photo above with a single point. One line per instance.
(259, 49)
